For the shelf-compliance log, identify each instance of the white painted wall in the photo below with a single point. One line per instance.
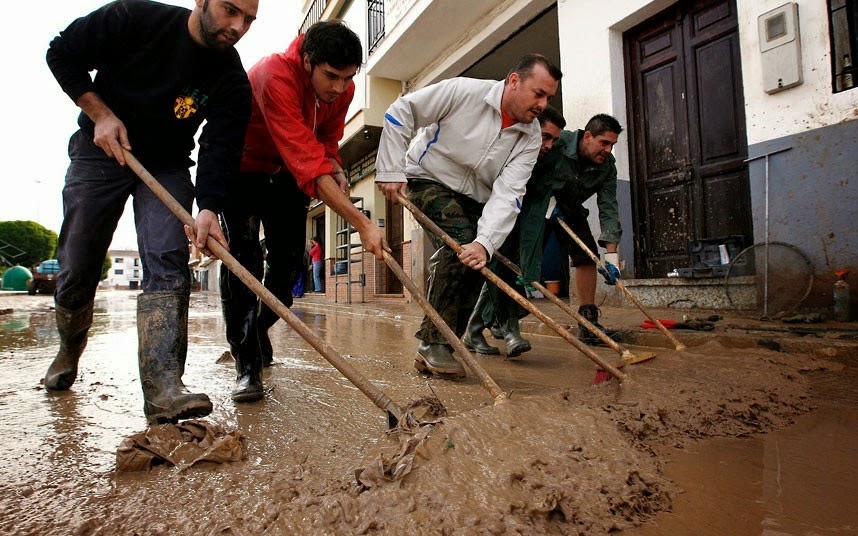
(592, 62)
(355, 19)
(807, 106)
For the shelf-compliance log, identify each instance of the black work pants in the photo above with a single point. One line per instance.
(275, 202)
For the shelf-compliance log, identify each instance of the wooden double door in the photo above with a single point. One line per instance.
(687, 129)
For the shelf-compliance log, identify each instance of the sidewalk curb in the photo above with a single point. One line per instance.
(820, 341)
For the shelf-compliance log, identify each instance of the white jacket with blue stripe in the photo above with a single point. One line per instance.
(450, 132)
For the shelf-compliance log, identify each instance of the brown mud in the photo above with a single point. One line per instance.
(561, 456)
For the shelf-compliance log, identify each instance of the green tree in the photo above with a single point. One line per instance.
(37, 242)
(105, 267)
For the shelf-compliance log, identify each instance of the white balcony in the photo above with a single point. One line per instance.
(435, 39)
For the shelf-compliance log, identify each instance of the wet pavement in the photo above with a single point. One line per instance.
(59, 449)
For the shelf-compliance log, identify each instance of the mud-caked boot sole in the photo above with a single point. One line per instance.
(424, 366)
(188, 406)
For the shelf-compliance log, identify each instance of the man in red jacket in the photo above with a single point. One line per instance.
(300, 100)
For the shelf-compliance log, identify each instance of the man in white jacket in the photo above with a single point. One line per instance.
(462, 150)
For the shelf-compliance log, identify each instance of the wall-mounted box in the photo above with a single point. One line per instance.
(780, 48)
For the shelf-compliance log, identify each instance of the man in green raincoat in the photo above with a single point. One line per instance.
(579, 165)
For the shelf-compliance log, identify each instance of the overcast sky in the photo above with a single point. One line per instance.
(39, 117)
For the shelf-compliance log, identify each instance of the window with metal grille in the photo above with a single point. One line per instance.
(843, 25)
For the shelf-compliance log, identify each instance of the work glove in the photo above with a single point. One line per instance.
(610, 272)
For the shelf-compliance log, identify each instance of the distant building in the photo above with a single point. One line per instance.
(126, 270)
(204, 271)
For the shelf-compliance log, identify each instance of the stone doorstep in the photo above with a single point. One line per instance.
(681, 293)
(824, 340)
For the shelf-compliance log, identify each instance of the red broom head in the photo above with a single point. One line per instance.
(601, 376)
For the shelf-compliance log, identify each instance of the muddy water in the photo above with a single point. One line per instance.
(560, 457)
(799, 480)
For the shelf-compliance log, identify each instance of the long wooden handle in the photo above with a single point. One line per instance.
(356, 378)
(488, 274)
(448, 333)
(563, 306)
(621, 286)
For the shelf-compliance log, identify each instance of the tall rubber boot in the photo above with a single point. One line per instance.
(474, 338)
(515, 343)
(248, 381)
(241, 333)
(162, 331)
(438, 359)
(73, 327)
(591, 312)
(265, 319)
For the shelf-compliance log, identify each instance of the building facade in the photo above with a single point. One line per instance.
(126, 271)
(740, 119)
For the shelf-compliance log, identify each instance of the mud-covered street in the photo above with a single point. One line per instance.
(725, 437)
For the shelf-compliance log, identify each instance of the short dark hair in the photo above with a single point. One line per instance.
(524, 67)
(601, 123)
(551, 115)
(332, 42)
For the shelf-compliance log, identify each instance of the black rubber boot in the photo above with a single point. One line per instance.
(474, 338)
(73, 327)
(497, 331)
(515, 343)
(244, 345)
(438, 359)
(162, 330)
(591, 313)
(248, 382)
(266, 318)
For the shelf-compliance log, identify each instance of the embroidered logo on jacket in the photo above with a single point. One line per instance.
(185, 107)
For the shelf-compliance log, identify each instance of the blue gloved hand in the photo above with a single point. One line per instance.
(611, 273)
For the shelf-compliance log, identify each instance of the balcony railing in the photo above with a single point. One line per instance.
(375, 20)
(314, 14)
(375, 24)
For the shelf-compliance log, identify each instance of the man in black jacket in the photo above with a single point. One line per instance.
(161, 71)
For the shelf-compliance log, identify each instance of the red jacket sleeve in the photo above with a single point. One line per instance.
(291, 112)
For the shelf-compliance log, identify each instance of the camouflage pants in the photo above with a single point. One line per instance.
(453, 287)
